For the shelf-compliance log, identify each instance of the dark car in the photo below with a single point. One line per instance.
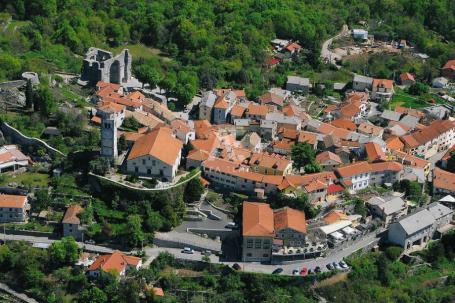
(329, 266)
(236, 266)
(317, 270)
(277, 271)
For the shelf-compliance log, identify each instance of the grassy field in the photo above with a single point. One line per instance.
(28, 179)
(141, 51)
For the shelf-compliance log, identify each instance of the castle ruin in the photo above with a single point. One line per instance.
(101, 65)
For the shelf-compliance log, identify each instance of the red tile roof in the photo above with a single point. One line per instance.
(117, 261)
(257, 220)
(287, 217)
(449, 65)
(444, 180)
(12, 201)
(71, 214)
(159, 143)
(374, 152)
(406, 77)
(271, 98)
(344, 123)
(385, 83)
(326, 156)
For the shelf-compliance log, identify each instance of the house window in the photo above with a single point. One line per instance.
(149, 171)
(248, 254)
(265, 255)
(136, 169)
(257, 243)
(249, 243)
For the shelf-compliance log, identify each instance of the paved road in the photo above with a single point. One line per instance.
(326, 54)
(153, 252)
(33, 239)
(337, 256)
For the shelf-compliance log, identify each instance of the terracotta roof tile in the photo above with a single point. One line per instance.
(374, 152)
(12, 201)
(257, 220)
(444, 180)
(160, 144)
(117, 261)
(71, 214)
(287, 217)
(344, 123)
(325, 156)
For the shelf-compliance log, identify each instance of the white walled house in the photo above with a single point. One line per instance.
(156, 154)
(13, 208)
(117, 262)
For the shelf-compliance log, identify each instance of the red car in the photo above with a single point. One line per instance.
(304, 272)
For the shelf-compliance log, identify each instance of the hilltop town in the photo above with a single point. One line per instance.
(111, 177)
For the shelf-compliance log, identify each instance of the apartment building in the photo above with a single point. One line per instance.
(438, 136)
(262, 226)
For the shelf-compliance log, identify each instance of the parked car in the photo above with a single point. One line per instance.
(277, 271)
(187, 250)
(336, 266)
(343, 265)
(295, 272)
(310, 271)
(89, 242)
(236, 266)
(231, 225)
(317, 270)
(206, 253)
(329, 266)
(304, 272)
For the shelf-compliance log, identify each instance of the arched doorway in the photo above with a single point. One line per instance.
(114, 72)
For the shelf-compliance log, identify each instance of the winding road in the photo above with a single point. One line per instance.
(326, 54)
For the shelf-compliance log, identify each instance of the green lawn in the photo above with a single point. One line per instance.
(141, 51)
(27, 179)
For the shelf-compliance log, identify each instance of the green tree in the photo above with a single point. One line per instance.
(65, 251)
(42, 200)
(93, 295)
(418, 89)
(147, 73)
(46, 101)
(154, 221)
(29, 95)
(133, 232)
(303, 154)
(359, 207)
(193, 190)
(122, 145)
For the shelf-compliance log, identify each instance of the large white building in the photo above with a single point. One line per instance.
(360, 175)
(155, 154)
(437, 137)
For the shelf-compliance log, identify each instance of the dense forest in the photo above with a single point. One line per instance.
(209, 43)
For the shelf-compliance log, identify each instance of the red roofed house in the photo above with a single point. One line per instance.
(272, 99)
(328, 160)
(258, 231)
(11, 158)
(374, 152)
(261, 225)
(71, 222)
(407, 79)
(13, 208)
(443, 182)
(364, 174)
(117, 263)
(448, 70)
(156, 153)
(382, 89)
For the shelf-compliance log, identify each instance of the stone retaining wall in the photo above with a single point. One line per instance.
(21, 139)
